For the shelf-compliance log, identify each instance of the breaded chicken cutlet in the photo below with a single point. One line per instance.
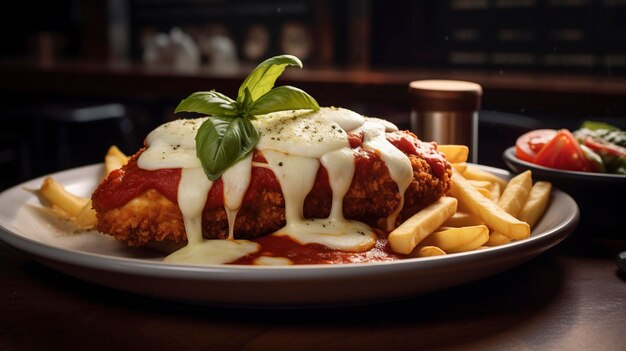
(139, 207)
(330, 164)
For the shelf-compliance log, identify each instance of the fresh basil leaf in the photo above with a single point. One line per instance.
(281, 99)
(208, 103)
(246, 103)
(262, 79)
(229, 135)
(221, 141)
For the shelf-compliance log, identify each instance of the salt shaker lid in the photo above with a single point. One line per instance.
(445, 95)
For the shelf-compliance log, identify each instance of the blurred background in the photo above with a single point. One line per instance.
(77, 76)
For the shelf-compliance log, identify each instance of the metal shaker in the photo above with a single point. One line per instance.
(446, 111)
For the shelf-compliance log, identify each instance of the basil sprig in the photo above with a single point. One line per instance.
(229, 135)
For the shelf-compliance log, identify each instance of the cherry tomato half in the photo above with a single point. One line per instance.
(529, 144)
(563, 152)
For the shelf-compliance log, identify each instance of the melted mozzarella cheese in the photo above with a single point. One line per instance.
(236, 180)
(193, 189)
(213, 252)
(397, 162)
(348, 120)
(340, 166)
(294, 144)
(336, 234)
(296, 175)
(172, 145)
(389, 127)
(310, 135)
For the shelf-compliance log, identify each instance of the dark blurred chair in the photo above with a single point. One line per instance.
(74, 128)
(52, 137)
(15, 158)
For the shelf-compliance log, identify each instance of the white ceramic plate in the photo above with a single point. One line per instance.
(97, 258)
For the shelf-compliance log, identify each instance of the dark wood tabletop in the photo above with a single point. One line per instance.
(571, 297)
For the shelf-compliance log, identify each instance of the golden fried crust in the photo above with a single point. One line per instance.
(151, 217)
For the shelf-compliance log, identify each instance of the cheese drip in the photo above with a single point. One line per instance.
(296, 175)
(193, 189)
(397, 162)
(236, 180)
(172, 145)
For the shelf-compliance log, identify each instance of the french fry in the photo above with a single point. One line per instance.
(484, 184)
(55, 193)
(463, 219)
(460, 166)
(536, 203)
(75, 208)
(454, 153)
(86, 219)
(115, 151)
(514, 196)
(485, 192)
(496, 239)
(426, 251)
(114, 159)
(494, 216)
(495, 192)
(458, 239)
(78, 208)
(405, 237)
(516, 192)
(475, 173)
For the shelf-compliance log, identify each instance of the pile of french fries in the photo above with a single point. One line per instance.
(480, 210)
(73, 207)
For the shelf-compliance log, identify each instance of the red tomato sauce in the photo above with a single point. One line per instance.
(123, 185)
(283, 246)
(408, 143)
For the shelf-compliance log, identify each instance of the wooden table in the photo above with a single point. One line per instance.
(571, 297)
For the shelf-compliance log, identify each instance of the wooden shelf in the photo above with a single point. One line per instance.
(512, 92)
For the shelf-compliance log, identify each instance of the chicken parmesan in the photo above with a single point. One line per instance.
(330, 178)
